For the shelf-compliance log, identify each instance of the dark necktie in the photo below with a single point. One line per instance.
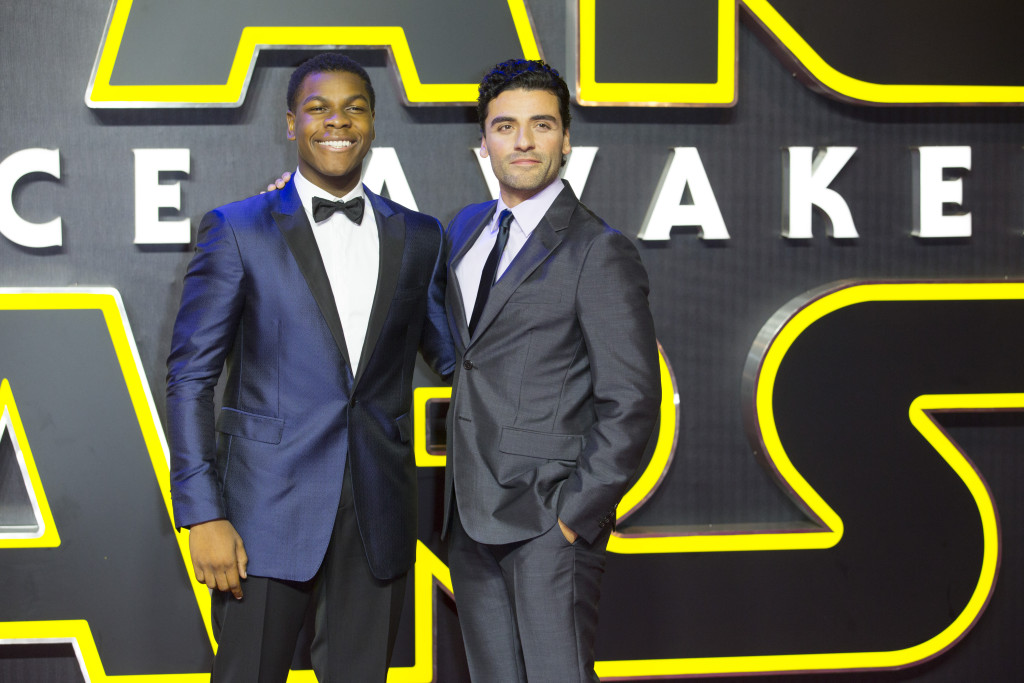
(323, 208)
(490, 268)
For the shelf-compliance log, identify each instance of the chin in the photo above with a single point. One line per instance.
(524, 181)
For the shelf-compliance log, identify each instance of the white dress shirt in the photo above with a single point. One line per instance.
(526, 216)
(351, 255)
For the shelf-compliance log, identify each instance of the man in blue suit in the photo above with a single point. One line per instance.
(302, 491)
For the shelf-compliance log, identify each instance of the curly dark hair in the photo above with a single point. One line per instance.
(326, 62)
(522, 74)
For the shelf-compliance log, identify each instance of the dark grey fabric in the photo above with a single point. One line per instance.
(556, 393)
(555, 396)
(528, 610)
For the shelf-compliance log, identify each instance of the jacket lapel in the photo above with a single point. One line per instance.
(453, 296)
(391, 234)
(291, 220)
(538, 247)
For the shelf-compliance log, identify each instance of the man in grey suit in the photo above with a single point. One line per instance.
(554, 398)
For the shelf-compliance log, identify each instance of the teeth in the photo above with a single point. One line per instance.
(337, 144)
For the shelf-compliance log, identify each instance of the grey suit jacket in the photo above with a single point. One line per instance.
(556, 395)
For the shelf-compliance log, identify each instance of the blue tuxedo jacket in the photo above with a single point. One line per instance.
(256, 297)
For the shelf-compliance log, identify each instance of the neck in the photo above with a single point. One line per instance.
(512, 196)
(339, 186)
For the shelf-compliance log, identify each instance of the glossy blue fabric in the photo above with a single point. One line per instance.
(257, 302)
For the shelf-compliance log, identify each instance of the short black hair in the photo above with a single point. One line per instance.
(522, 74)
(326, 62)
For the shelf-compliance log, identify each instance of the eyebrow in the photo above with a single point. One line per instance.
(512, 119)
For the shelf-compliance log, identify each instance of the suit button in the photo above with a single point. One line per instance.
(467, 364)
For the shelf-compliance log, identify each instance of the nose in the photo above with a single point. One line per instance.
(524, 141)
(338, 119)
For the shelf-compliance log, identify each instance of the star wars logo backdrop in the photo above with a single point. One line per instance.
(827, 200)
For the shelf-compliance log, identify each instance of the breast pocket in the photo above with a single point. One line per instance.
(534, 295)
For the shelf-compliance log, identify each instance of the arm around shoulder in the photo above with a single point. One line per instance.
(436, 343)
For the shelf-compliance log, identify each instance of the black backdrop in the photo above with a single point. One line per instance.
(709, 299)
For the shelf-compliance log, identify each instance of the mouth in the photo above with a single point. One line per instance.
(335, 145)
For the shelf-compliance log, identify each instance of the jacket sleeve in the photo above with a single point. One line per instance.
(614, 315)
(204, 332)
(436, 344)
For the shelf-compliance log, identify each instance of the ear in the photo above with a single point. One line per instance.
(566, 147)
(483, 147)
(290, 117)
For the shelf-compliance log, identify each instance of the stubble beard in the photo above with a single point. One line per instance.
(533, 179)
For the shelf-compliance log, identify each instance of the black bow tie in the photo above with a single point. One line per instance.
(323, 208)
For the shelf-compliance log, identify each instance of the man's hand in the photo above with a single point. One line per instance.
(280, 182)
(569, 534)
(218, 555)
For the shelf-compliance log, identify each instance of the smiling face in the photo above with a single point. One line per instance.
(525, 140)
(332, 125)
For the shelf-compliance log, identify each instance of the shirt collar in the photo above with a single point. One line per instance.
(529, 212)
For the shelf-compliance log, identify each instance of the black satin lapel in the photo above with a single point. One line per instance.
(536, 250)
(299, 236)
(391, 236)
